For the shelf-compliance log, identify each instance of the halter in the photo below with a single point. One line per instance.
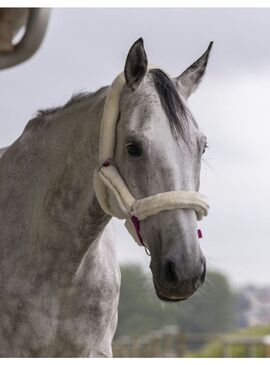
(111, 190)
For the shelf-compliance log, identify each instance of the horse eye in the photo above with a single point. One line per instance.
(134, 149)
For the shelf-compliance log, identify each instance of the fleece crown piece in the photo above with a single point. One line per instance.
(112, 192)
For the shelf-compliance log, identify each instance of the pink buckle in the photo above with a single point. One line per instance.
(106, 163)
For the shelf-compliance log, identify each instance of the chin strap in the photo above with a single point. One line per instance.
(111, 190)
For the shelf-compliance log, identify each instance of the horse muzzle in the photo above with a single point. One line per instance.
(174, 282)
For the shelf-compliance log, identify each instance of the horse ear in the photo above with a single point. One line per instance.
(136, 65)
(189, 80)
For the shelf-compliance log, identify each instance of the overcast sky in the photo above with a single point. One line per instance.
(86, 48)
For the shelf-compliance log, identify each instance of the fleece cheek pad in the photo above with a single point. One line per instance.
(112, 192)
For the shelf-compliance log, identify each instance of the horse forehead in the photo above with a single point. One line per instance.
(144, 98)
(141, 113)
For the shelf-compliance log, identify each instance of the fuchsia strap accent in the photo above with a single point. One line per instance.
(106, 163)
(136, 224)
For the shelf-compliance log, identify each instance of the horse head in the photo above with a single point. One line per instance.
(159, 147)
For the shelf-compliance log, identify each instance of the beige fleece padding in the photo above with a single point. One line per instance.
(109, 119)
(154, 204)
(112, 192)
(102, 194)
(114, 182)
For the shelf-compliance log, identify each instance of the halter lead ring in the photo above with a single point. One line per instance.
(112, 192)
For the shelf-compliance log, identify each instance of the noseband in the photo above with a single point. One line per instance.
(111, 190)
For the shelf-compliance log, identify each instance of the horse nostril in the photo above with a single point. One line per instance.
(203, 274)
(201, 277)
(170, 274)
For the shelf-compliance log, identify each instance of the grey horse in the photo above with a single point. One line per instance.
(59, 277)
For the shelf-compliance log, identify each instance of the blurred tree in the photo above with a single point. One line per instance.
(212, 309)
(209, 310)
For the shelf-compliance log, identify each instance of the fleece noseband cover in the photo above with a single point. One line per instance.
(112, 192)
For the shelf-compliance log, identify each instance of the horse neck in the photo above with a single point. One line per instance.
(71, 203)
(50, 216)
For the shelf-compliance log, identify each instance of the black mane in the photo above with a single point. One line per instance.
(172, 104)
